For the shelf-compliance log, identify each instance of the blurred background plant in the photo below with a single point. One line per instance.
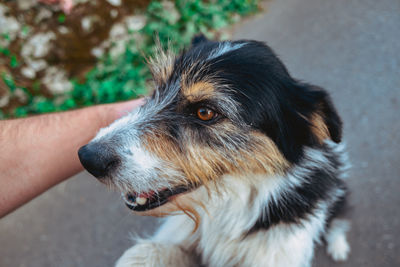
(80, 53)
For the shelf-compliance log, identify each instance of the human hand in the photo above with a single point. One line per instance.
(110, 112)
(66, 5)
(40, 151)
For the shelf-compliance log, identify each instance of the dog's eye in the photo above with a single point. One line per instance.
(205, 114)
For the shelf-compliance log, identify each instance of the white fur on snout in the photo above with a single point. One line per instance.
(139, 170)
(144, 159)
(143, 171)
(118, 124)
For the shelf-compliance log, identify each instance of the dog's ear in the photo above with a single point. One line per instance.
(327, 114)
(306, 117)
(198, 39)
(312, 115)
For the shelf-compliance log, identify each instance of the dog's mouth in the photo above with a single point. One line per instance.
(152, 199)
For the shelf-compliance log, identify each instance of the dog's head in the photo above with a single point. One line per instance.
(219, 108)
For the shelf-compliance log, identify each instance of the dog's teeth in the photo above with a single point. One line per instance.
(141, 200)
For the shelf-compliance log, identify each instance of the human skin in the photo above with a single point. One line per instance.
(66, 5)
(39, 152)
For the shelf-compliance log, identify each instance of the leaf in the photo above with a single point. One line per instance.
(126, 77)
(5, 51)
(13, 61)
(9, 81)
(61, 18)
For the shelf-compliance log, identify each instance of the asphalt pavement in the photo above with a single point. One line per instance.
(349, 47)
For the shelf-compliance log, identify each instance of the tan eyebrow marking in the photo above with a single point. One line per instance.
(198, 91)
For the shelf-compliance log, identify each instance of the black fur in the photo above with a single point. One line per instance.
(272, 101)
(296, 203)
(281, 107)
(200, 38)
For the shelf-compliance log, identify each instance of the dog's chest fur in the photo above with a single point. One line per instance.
(242, 225)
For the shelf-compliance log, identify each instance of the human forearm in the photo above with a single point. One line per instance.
(39, 152)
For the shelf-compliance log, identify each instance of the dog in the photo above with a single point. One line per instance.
(246, 161)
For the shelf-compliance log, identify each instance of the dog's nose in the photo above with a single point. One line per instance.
(97, 160)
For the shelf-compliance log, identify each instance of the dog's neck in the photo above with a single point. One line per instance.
(248, 203)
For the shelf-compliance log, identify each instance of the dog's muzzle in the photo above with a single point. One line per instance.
(151, 200)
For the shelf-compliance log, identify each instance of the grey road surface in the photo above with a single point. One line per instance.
(349, 47)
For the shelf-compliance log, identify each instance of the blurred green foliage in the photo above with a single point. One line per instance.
(61, 18)
(125, 77)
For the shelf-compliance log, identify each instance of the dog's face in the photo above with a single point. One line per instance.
(219, 108)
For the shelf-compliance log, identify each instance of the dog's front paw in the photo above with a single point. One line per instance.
(339, 249)
(337, 245)
(148, 254)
